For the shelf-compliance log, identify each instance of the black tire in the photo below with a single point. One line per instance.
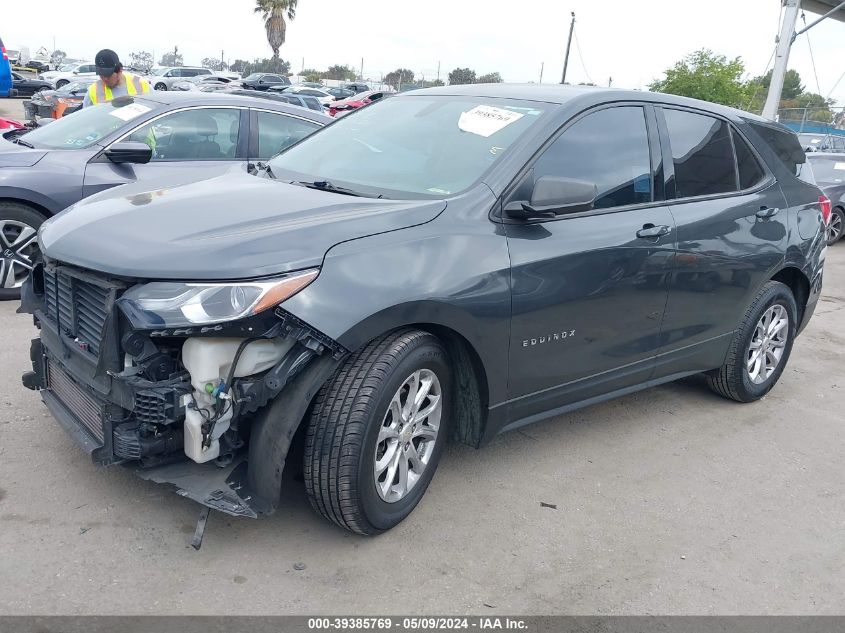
(732, 380)
(15, 212)
(836, 227)
(61, 82)
(348, 413)
(160, 86)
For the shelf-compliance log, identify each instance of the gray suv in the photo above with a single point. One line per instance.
(475, 259)
(164, 78)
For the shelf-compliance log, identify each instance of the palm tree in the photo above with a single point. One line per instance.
(274, 21)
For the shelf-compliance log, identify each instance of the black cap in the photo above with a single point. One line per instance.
(107, 62)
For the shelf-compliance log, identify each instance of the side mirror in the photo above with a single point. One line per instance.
(130, 152)
(553, 196)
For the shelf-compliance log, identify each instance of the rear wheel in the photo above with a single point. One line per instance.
(18, 246)
(377, 431)
(761, 346)
(160, 86)
(836, 225)
(61, 82)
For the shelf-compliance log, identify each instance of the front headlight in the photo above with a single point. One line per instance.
(164, 304)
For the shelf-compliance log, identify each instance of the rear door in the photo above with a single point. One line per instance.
(589, 288)
(206, 141)
(731, 218)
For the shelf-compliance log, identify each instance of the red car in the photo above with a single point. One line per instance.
(10, 124)
(344, 106)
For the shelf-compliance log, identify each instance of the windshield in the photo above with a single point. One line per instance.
(66, 68)
(157, 72)
(415, 145)
(254, 76)
(87, 126)
(829, 170)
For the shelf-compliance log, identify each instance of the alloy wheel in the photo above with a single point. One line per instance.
(768, 344)
(18, 245)
(407, 435)
(834, 229)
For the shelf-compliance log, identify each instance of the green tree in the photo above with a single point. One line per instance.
(273, 12)
(173, 58)
(57, 57)
(461, 76)
(142, 60)
(309, 74)
(707, 76)
(213, 63)
(340, 73)
(399, 77)
(239, 66)
(490, 78)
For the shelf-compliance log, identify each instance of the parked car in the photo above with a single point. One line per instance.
(264, 81)
(821, 142)
(339, 93)
(54, 104)
(27, 86)
(829, 170)
(312, 84)
(164, 78)
(38, 65)
(70, 72)
(321, 95)
(434, 279)
(355, 102)
(50, 168)
(299, 100)
(356, 87)
(10, 124)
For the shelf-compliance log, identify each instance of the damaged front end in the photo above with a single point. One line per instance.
(199, 385)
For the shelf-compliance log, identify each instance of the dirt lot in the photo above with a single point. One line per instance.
(671, 501)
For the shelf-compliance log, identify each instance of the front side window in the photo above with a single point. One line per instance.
(196, 134)
(272, 78)
(277, 132)
(412, 146)
(608, 148)
(702, 154)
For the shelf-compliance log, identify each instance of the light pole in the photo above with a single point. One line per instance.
(568, 44)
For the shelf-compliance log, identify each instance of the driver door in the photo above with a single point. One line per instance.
(195, 141)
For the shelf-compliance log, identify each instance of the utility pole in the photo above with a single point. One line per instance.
(438, 71)
(542, 65)
(790, 16)
(362, 69)
(609, 82)
(568, 44)
(303, 66)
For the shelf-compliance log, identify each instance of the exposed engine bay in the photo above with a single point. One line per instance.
(177, 403)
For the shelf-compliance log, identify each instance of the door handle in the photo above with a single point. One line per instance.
(767, 212)
(650, 230)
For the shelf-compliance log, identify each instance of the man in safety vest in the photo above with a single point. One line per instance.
(113, 81)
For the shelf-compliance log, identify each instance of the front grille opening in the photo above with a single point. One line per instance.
(87, 410)
(79, 308)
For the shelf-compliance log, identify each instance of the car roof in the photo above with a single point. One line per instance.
(563, 94)
(831, 155)
(194, 98)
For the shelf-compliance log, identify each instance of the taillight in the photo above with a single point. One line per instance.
(5, 54)
(824, 203)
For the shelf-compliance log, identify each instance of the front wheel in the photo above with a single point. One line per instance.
(160, 86)
(61, 82)
(18, 246)
(836, 225)
(761, 346)
(377, 430)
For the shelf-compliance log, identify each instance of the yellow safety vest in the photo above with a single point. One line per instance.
(99, 92)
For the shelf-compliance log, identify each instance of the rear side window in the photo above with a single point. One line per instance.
(784, 144)
(702, 154)
(608, 148)
(750, 171)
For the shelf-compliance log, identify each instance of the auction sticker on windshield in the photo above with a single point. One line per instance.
(487, 120)
(131, 111)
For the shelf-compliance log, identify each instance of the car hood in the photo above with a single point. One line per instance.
(14, 155)
(233, 226)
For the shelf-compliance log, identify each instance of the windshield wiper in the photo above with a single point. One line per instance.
(325, 185)
(20, 141)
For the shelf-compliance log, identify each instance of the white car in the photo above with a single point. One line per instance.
(163, 78)
(322, 96)
(70, 72)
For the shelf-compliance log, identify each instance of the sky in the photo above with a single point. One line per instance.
(630, 42)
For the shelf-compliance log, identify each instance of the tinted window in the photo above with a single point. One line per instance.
(313, 93)
(197, 134)
(784, 144)
(277, 131)
(608, 148)
(750, 171)
(272, 78)
(702, 154)
(202, 71)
